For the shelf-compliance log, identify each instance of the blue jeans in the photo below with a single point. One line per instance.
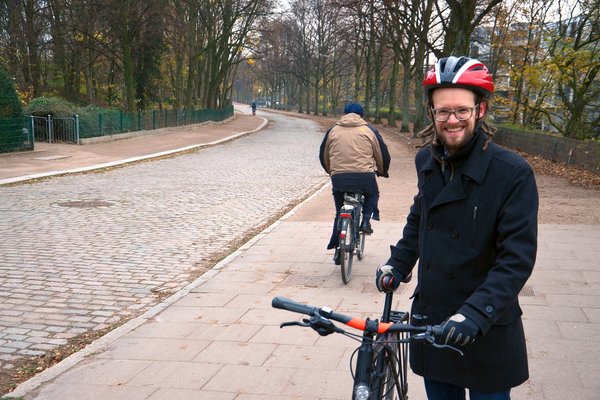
(444, 391)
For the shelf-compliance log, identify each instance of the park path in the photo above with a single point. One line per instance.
(219, 338)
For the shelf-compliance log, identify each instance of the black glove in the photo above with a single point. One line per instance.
(459, 330)
(388, 278)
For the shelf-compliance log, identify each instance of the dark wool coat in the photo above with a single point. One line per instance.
(476, 239)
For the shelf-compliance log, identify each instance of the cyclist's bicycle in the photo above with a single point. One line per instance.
(352, 239)
(380, 370)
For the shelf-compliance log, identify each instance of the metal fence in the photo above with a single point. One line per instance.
(110, 123)
(19, 134)
(16, 134)
(55, 129)
(582, 154)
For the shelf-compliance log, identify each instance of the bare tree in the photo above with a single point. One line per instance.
(459, 20)
(23, 28)
(574, 61)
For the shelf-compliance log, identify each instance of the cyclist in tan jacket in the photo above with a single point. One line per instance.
(353, 153)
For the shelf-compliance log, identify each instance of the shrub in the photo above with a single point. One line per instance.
(10, 106)
(54, 106)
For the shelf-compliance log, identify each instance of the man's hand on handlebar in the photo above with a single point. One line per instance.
(458, 330)
(388, 279)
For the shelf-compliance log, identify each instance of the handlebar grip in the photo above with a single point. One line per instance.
(437, 330)
(291, 305)
(387, 281)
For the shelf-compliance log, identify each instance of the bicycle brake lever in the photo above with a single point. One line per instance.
(294, 323)
(323, 326)
(445, 346)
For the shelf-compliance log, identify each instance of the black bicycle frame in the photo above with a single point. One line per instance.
(364, 360)
(365, 373)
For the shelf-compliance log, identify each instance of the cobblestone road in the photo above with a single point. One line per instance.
(78, 253)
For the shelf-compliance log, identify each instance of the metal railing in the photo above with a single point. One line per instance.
(74, 129)
(55, 129)
(111, 123)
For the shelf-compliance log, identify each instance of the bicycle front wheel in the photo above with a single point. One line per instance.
(346, 249)
(391, 359)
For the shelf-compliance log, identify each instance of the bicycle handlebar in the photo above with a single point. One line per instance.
(357, 323)
(321, 318)
(286, 304)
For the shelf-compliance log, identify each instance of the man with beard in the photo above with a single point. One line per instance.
(473, 229)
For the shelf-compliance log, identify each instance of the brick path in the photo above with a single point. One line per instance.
(81, 252)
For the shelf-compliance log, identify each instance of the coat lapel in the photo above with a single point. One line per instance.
(479, 160)
(453, 191)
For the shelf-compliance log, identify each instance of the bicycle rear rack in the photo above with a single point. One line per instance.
(353, 199)
(399, 316)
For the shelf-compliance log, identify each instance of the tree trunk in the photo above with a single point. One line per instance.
(56, 24)
(420, 64)
(406, 100)
(300, 99)
(393, 98)
(371, 52)
(316, 99)
(128, 74)
(307, 97)
(33, 57)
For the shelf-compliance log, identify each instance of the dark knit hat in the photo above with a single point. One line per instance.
(355, 108)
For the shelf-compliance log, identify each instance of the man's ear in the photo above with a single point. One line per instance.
(482, 109)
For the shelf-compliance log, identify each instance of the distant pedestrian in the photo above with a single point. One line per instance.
(473, 230)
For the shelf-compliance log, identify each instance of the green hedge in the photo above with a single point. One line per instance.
(15, 134)
(53, 106)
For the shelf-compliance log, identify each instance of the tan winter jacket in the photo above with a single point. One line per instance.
(352, 147)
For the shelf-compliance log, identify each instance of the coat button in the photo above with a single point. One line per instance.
(425, 266)
(449, 275)
(454, 235)
(429, 226)
(489, 309)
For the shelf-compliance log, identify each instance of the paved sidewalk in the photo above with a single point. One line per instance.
(219, 338)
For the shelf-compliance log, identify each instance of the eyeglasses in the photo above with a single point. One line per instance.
(461, 114)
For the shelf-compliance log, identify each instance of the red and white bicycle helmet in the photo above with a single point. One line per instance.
(463, 72)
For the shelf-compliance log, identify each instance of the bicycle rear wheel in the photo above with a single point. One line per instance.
(346, 249)
(360, 247)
